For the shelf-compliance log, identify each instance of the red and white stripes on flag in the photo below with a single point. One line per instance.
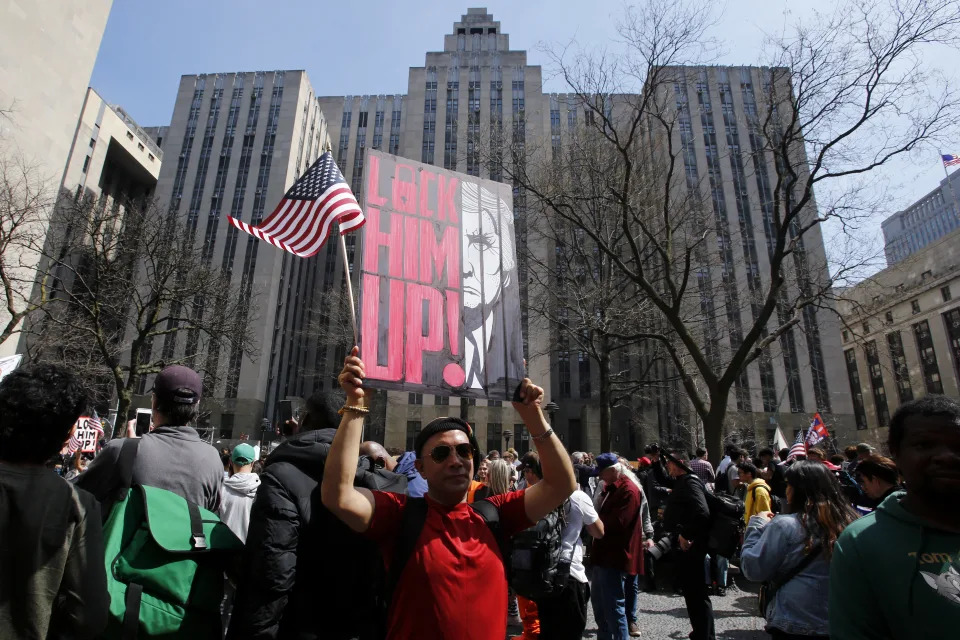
(302, 221)
(799, 447)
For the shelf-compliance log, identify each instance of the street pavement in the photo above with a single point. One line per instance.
(663, 616)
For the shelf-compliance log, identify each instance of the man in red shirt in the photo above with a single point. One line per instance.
(618, 555)
(455, 564)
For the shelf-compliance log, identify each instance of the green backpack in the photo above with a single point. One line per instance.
(165, 561)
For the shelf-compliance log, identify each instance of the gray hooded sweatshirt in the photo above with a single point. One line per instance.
(236, 499)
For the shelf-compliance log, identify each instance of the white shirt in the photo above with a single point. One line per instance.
(579, 512)
(722, 467)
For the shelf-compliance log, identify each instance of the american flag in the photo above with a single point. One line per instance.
(301, 222)
(798, 448)
(950, 159)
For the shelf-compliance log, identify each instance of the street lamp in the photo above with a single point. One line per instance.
(551, 408)
(507, 434)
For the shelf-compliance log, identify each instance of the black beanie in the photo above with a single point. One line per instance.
(445, 424)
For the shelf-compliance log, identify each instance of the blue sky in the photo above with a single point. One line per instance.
(367, 47)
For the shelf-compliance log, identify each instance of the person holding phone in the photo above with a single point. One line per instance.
(455, 559)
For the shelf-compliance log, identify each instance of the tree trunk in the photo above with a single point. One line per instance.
(713, 425)
(605, 402)
(124, 400)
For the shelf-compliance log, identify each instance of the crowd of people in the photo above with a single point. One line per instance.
(333, 537)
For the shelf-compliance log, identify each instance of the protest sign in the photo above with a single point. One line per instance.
(439, 292)
(87, 435)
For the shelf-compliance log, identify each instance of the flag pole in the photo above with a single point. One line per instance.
(956, 207)
(346, 273)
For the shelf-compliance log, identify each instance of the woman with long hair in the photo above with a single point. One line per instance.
(498, 479)
(792, 552)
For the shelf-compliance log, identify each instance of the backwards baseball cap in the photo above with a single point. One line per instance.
(243, 454)
(178, 384)
(605, 460)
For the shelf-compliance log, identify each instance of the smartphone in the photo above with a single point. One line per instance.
(285, 411)
(144, 418)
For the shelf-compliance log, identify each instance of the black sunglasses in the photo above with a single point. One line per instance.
(442, 451)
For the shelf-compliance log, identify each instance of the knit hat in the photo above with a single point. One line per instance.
(446, 424)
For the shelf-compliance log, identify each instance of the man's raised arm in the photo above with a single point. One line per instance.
(559, 480)
(352, 505)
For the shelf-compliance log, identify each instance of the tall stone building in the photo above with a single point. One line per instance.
(235, 144)
(925, 221)
(901, 335)
(475, 91)
(47, 52)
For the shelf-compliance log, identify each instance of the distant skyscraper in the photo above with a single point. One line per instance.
(47, 52)
(926, 220)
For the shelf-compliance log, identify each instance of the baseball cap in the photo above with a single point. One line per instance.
(863, 447)
(243, 454)
(605, 460)
(644, 460)
(178, 384)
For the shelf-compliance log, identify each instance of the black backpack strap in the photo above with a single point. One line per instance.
(131, 615)
(198, 540)
(774, 585)
(411, 525)
(491, 515)
(124, 478)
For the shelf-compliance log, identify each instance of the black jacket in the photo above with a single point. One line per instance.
(687, 512)
(305, 574)
(656, 486)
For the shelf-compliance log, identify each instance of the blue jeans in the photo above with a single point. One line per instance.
(722, 566)
(608, 592)
(631, 589)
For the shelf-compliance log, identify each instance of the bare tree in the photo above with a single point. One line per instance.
(842, 97)
(589, 304)
(25, 201)
(126, 275)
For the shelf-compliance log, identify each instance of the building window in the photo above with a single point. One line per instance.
(413, 430)
(521, 439)
(441, 401)
(129, 135)
(928, 358)
(86, 164)
(876, 381)
(846, 336)
(945, 293)
(866, 328)
(93, 141)
(564, 370)
(855, 391)
(951, 320)
(583, 373)
(915, 306)
(888, 317)
(415, 398)
(226, 426)
(900, 371)
(494, 435)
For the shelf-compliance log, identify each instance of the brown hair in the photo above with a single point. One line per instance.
(877, 466)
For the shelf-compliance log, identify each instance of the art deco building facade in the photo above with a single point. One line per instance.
(474, 91)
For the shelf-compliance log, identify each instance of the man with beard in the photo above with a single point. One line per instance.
(894, 572)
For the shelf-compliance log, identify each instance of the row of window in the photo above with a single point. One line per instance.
(945, 295)
(929, 367)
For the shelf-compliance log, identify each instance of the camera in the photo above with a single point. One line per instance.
(661, 547)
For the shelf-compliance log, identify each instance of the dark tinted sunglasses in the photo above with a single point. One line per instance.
(442, 451)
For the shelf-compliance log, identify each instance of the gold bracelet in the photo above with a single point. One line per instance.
(353, 409)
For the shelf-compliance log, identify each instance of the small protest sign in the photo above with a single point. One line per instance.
(439, 292)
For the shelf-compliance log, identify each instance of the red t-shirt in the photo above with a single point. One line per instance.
(453, 587)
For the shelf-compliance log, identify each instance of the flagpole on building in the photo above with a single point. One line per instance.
(956, 207)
